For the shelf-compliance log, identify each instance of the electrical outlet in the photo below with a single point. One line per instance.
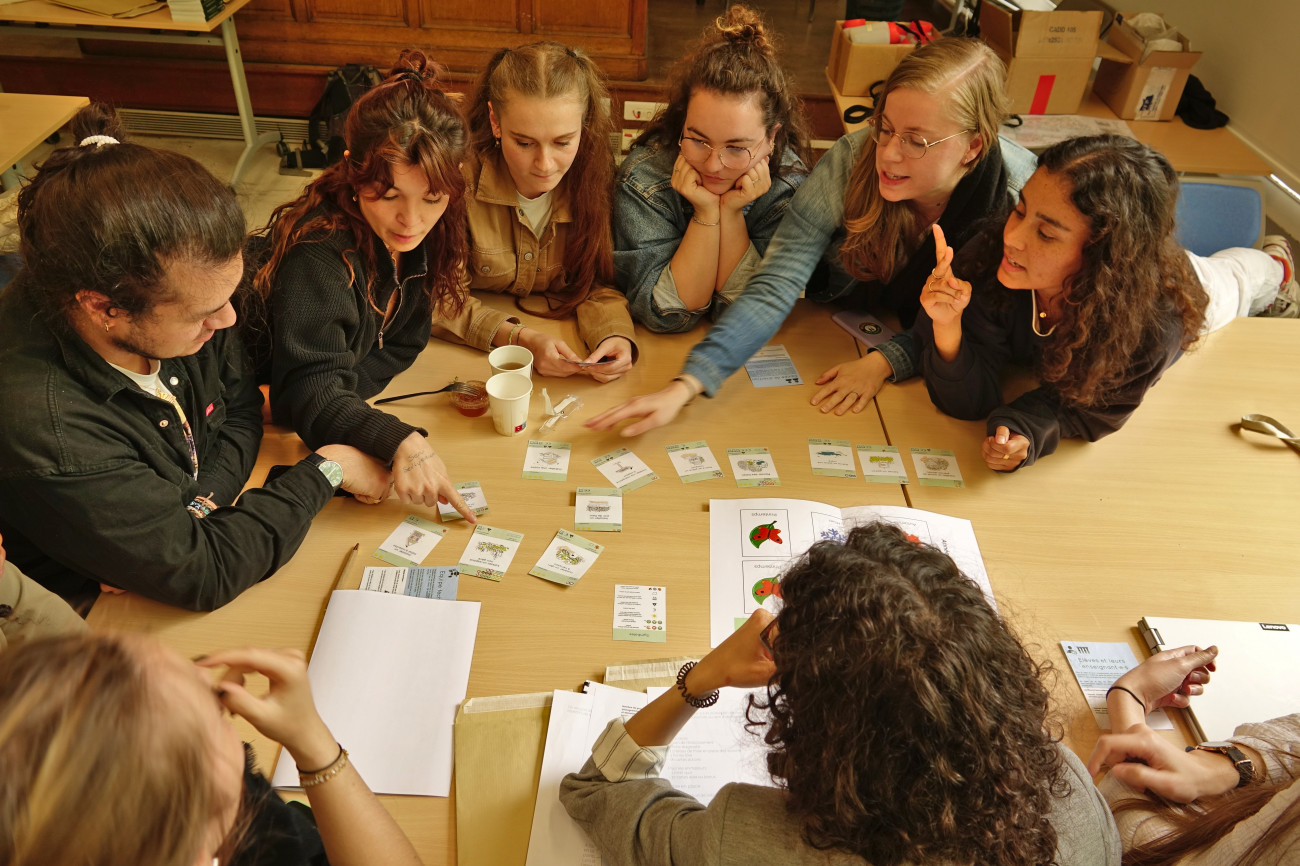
(642, 111)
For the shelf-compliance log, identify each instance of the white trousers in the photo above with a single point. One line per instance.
(1239, 281)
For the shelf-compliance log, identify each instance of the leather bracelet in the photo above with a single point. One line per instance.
(323, 775)
(703, 223)
(1141, 703)
(699, 703)
(514, 332)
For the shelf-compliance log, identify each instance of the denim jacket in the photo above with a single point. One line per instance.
(95, 474)
(811, 232)
(650, 218)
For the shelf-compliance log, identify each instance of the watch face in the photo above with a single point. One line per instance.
(332, 471)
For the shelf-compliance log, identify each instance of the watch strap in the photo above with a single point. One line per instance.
(332, 471)
(1245, 766)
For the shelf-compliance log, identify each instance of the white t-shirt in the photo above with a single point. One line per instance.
(151, 383)
(536, 210)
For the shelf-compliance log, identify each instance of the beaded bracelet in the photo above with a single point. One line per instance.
(699, 703)
(323, 775)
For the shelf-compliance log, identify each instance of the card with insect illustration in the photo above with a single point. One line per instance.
(489, 552)
(411, 541)
(567, 558)
(598, 509)
(833, 457)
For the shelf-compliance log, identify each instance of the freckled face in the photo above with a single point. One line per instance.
(539, 139)
(1044, 238)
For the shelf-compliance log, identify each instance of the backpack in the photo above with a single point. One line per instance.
(325, 144)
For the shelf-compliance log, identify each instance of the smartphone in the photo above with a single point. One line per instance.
(864, 327)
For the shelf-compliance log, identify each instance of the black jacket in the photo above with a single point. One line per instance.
(95, 474)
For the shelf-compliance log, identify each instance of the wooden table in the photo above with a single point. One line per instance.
(1177, 514)
(42, 18)
(1200, 151)
(534, 635)
(27, 119)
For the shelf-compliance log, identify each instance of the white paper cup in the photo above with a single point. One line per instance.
(509, 395)
(511, 359)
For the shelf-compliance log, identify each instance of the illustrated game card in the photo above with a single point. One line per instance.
(624, 470)
(833, 457)
(566, 558)
(411, 541)
(546, 461)
(472, 493)
(489, 552)
(882, 464)
(640, 613)
(936, 467)
(598, 509)
(753, 467)
(694, 462)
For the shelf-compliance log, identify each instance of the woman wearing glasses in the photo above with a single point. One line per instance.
(930, 155)
(904, 723)
(706, 184)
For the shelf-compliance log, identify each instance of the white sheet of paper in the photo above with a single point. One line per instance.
(742, 572)
(576, 721)
(1096, 666)
(771, 367)
(640, 613)
(714, 748)
(378, 689)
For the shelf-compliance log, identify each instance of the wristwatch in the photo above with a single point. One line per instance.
(332, 471)
(1245, 767)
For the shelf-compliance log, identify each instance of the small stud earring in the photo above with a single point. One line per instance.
(106, 327)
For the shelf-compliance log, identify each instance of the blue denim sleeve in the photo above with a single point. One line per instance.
(648, 228)
(903, 353)
(816, 211)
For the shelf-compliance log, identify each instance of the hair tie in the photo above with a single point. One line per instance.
(572, 53)
(98, 139)
(410, 75)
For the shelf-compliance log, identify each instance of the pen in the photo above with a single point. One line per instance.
(347, 564)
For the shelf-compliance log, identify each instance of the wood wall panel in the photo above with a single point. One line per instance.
(268, 10)
(558, 18)
(351, 12)
(474, 14)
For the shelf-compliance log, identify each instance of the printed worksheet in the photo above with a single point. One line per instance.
(753, 541)
(1096, 666)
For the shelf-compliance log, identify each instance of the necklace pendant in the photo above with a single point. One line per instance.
(381, 338)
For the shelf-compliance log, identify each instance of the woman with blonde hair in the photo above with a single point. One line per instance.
(705, 186)
(118, 752)
(930, 155)
(539, 174)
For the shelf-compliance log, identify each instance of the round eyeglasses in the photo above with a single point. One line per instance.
(913, 146)
(731, 155)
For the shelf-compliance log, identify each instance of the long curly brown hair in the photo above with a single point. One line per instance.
(1135, 277)
(737, 55)
(907, 722)
(548, 70)
(404, 120)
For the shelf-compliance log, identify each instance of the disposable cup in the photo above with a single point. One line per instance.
(509, 395)
(511, 359)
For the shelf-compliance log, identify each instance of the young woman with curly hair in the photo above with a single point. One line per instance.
(704, 187)
(357, 265)
(1085, 282)
(539, 175)
(857, 229)
(905, 724)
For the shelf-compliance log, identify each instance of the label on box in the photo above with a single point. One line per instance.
(1160, 80)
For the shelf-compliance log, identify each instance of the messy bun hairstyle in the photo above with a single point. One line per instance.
(404, 120)
(107, 217)
(736, 56)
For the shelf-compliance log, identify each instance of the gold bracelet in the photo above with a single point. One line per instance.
(321, 776)
(703, 223)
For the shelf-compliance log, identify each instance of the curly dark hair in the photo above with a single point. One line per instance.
(907, 722)
(1135, 277)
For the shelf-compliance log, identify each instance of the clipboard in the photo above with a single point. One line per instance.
(1254, 673)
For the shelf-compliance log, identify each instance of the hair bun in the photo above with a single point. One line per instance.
(743, 26)
(97, 119)
(414, 65)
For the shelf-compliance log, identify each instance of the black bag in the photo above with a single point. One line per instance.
(325, 145)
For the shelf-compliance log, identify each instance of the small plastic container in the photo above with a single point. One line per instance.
(471, 405)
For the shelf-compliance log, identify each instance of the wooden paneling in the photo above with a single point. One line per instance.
(559, 18)
(350, 12)
(476, 14)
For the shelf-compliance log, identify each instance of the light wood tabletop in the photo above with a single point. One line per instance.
(44, 12)
(1179, 513)
(534, 635)
(27, 119)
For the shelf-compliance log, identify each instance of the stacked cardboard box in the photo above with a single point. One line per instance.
(1140, 81)
(1048, 54)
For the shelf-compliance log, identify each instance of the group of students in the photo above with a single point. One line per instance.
(906, 723)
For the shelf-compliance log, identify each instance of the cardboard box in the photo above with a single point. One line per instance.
(854, 66)
(1142, 88)
(1048, 55)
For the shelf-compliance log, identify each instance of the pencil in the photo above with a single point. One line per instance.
(347, 564)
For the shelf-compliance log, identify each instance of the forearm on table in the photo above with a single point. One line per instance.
(695, 264)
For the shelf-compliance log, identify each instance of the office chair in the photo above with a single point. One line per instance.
(1215, 213)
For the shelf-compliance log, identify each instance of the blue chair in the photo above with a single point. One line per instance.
(1216, 213)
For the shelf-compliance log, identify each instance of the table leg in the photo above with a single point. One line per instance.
(252, 141)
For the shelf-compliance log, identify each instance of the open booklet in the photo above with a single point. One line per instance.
(713, 749)
(753, 541)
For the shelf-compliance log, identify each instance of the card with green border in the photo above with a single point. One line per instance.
(598, 509)
(472, 493)
(831, 457)
(566, 558)
(694, 462)
(753, 467)
(936, 467)
(489, 552)
(882, 464)
(624, 470)
(640, 613)
(546, 461)
(412, 540)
